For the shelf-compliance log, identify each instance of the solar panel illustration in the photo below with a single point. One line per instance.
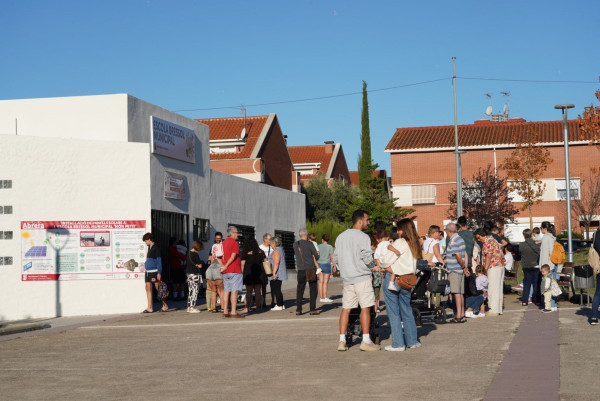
(36, 252)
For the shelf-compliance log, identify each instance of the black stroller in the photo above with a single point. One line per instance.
(426, 296)
(355, 329)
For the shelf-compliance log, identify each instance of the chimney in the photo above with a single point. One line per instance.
(329, 147)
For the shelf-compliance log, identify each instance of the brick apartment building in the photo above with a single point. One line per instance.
(251, 147)
(423, 167)
(327, 159)
(377, 174)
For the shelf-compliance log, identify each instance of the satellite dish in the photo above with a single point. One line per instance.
(243, 135)
(488, 111)
(505, 109)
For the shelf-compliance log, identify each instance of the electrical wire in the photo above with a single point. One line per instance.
(320, 97)
(308, 99)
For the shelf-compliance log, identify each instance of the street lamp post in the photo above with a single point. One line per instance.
(564, 108)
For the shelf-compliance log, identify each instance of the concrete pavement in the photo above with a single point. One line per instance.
(277, 355)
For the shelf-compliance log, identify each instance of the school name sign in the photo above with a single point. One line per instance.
(172, 140)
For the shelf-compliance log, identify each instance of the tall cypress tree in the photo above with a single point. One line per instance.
(365, 162)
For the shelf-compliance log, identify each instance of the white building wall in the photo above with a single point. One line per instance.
(69, 179)
(101, 117)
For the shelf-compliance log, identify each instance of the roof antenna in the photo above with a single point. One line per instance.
(506, 107)
(243, 108)
(488, 110)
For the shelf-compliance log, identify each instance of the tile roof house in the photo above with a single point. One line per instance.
(423, 166)
(250, 147)
(327, 159)
(377, 173)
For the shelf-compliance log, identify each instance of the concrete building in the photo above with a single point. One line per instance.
(327, 159)
(423, 167)
(84, 177)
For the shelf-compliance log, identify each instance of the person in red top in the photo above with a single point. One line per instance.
(232, 273)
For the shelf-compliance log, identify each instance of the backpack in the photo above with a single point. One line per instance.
(558, 255)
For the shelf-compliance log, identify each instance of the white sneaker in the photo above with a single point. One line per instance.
(416, 345)
(277, 307)
(469, 314)
(554, 308)
(394, 349)
(481, 314)
(325, 300)
(193, 311)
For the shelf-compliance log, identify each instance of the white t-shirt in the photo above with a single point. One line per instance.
(428, 248)
(510, 261)
(382, 249)
(406, 263)
(316, 246)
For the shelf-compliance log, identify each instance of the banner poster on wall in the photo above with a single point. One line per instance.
(174, 186)
(82, 250)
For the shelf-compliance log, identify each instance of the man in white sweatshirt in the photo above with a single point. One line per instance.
(354, 258)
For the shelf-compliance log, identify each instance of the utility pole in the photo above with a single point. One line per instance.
(459, 197)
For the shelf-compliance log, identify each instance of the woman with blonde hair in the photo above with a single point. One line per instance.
(399, 311)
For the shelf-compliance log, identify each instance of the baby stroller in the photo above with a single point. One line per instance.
(426, 296)
(354, 327)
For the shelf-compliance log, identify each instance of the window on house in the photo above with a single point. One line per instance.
(423, 194)
(561, 188)
(201, 230)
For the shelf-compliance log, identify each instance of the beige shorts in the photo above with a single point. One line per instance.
(457, 282)
(360, 293)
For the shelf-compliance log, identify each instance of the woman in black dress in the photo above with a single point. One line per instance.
(254, 274)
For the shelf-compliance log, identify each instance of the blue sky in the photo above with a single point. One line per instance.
(184, 55)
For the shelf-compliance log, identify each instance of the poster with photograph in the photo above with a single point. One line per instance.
(82, 250)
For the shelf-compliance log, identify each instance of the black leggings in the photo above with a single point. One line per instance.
(276, 291)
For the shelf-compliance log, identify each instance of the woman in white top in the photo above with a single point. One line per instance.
(399, 311)
(431, 244)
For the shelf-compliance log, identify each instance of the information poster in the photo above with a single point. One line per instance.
(82, 250)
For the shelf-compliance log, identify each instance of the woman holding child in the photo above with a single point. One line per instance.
(399, 311)
(493, 263)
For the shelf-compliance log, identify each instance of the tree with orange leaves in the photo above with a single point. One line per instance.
(525, 167)
(589, 124)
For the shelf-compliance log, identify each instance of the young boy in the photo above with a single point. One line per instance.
(383, 242)
(546, 288)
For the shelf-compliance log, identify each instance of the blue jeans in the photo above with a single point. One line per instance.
(474, 302)
(531, 279)
(596, 300)
(399, 311)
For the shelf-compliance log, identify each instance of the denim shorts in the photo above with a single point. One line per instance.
(232, 282)
(325, 268)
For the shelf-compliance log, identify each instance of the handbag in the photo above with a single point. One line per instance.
(311, 275)
(406, 281)
(163, 290)
(268, 268)
(438, 281)
(428, 256)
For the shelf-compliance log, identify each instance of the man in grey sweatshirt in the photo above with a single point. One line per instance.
(354, 258)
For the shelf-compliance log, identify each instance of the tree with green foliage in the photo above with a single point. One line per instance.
(375, 200)
(365, 162)
(328, 202)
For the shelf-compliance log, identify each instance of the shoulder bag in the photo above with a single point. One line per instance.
(267, 266)
(311, 274)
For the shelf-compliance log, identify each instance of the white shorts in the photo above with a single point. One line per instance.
(360, 293)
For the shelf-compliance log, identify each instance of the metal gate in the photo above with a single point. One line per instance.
(244, 233)
(287, 242)
(164, 226)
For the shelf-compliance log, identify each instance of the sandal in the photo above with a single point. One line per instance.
(164, 310)
(524, 304)
(147, 311)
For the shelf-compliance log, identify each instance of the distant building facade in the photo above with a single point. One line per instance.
(327, 159)
(423, 167)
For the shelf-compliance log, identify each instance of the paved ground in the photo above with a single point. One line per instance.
(277, 355)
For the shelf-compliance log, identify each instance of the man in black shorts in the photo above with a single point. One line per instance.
(153, 267)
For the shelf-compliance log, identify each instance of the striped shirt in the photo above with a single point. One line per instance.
(456, 246)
